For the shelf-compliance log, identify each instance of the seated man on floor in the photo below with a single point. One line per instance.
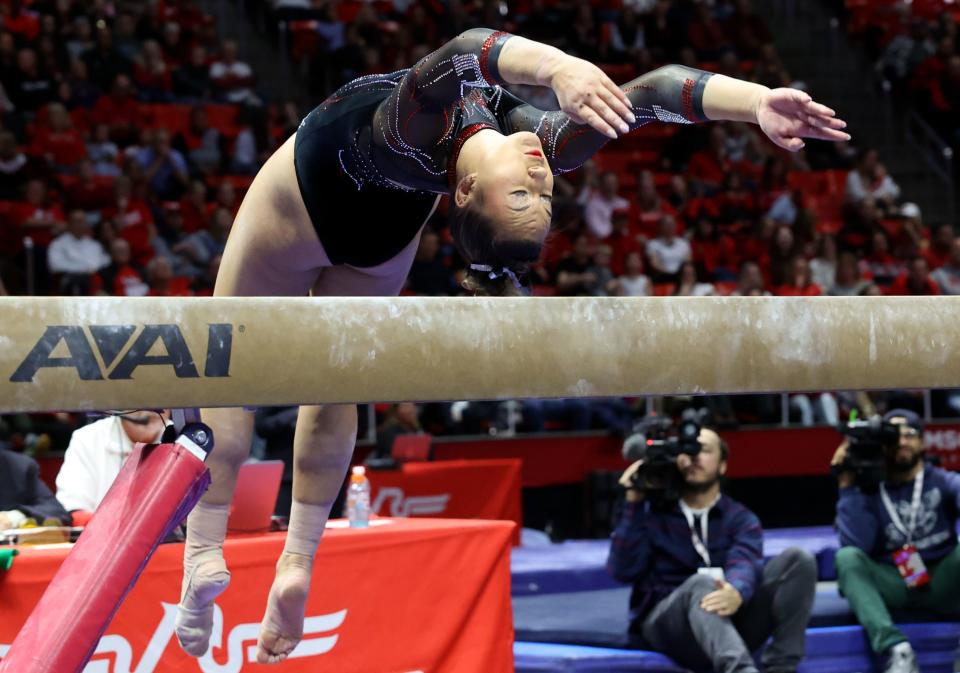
(97, 452)
(899, 543)
(700, 591)
(24, 496)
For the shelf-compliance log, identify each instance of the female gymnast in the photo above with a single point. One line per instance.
(338, 210)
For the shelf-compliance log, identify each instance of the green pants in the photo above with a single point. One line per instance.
(873, 588)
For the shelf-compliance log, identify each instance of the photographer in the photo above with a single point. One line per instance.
(700, 593)
(899, 545)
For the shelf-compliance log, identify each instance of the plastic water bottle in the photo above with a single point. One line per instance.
(358, 498)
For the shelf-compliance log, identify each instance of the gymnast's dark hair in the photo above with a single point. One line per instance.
(481, 243)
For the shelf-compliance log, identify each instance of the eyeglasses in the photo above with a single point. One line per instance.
(911, 433)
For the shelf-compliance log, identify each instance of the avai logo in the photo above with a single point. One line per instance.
(123, 348)
(402, 505)
(121, 653)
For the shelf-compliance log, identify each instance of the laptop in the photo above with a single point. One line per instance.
(255, 496)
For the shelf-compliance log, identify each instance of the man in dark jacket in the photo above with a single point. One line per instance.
(700, 591)
(23, 495)
(909, 522)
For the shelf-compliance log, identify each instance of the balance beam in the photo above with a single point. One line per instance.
(122, 353)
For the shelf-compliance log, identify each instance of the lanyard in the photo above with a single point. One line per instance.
(699, 540)
(914, 507)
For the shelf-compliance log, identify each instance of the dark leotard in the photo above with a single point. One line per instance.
(371, 159)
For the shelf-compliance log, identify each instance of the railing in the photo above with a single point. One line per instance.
(937, 154)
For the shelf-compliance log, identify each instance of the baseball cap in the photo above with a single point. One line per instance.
(911, 418)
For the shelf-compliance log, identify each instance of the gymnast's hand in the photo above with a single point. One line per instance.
(588, 96)
(788, 115)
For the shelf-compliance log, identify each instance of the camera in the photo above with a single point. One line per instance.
(659, 447)
(870, 443)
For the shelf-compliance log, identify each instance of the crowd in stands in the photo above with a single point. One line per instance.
(130, 133)
(916, 49)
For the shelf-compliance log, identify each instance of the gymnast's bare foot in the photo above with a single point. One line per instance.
(282, 625)
(201, 585)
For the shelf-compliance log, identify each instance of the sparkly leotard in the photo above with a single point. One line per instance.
(371, 159)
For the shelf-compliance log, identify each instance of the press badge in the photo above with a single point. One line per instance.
(911, 566)
(715, 573)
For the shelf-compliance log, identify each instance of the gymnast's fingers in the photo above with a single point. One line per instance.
(596, 121)
(617, 105)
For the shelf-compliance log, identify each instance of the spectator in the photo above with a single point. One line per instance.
(623, 241)
(428, 274)
(667, 252)
(104, 63)
(29, 88)
(15, 168)
(103, 152)
(83, 92)
(882, 267)
(713, 253)
(232, 80)
(905, 52)
(201, 143)
(633, 283)
(947, 277)
(573, 272)
(938, 251)
(251, 142)
(689, 285)
(600, 204)
(706, 35)
(120, 278)
(162, 281)
(97, 452)
(627, 35)
(191, 81)
(23, 495)
(913, 236)
(202, 246)
(870, 178)
(650, 206)
(799, 282)
(165, 169)
(61, 145)
(193, 207)
(572, 414)
(152, 74)
(604, 283)
(915, 281)
(39, 216)
(750, 281)
(401, 419)
(748, 31)
(131, 219)
(913, 515)
(823, 267)
(699, 594)
(88, 192)
(120, 111)
(709, 167)
(76, 256)
(848, 282)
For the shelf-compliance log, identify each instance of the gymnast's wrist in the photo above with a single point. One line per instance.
(551, 66)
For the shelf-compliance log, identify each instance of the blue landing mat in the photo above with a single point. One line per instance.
(580, 565)
(841, 649)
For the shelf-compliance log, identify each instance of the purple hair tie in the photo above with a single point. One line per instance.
(493, 274)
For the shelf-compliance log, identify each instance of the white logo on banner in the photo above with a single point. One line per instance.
(401, 505)
(123, 653)
(945, 440)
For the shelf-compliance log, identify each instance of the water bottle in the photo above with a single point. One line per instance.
(358, 498)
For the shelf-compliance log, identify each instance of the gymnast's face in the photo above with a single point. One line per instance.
(515, 185)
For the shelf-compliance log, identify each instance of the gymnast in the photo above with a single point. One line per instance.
(339, 207)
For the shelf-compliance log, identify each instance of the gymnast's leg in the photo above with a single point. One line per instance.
(272, 251)
(322, 448)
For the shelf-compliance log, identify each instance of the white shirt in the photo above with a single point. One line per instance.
(598, 213)
(638, 286)
(93, 460)
(69, 254)
(671, 255)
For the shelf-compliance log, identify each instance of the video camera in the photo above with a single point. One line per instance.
(654, 442)
(870, 443)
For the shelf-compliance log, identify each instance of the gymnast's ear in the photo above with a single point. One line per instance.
(465, 190)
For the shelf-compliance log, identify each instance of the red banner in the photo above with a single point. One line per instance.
(460, 489)
(404, 596)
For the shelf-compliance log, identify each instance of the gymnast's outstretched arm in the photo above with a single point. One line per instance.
(677, 94)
